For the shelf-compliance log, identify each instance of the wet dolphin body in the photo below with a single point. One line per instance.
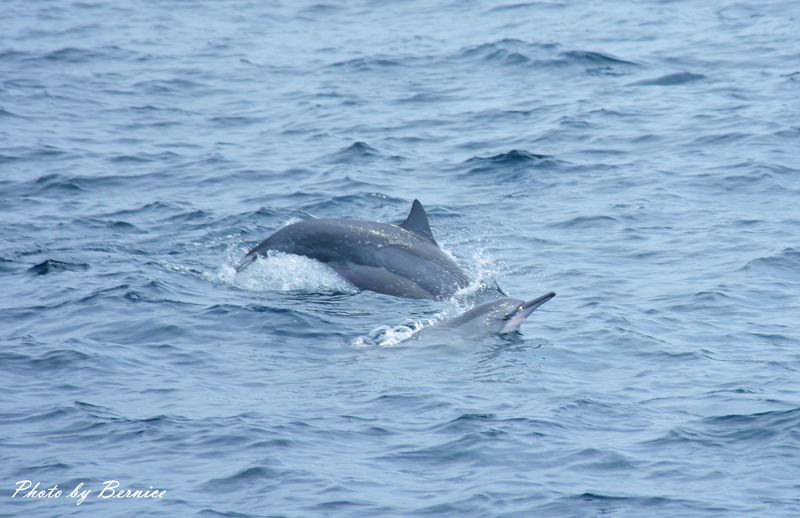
(500, 316)
(403, 260)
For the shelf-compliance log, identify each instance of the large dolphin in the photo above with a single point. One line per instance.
(403, 260)
(497, 317)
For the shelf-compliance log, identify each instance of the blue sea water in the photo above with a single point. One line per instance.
(640, 158)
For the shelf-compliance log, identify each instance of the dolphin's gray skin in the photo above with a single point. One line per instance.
(403, 260)
(497, 317)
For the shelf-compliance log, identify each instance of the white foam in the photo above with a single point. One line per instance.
(481, 269)
(281, 272)
(386, 336)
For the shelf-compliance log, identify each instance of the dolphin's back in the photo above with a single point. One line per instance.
(484, 312)
(374, 256)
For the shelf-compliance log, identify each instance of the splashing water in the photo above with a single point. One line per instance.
(387, 336)
(279, 271)
(481, 269)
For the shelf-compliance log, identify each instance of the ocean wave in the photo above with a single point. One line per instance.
(511, 425)
(320, 205)
(587, 222)
(244, 477)
(526, 5)
(13, 54)
(11, 115)
(516, 53)
(511, 158)
(233, 121)
(739, 432)
(675, 79)
(598, 504)
(52, 266)
(366, 64)
(53, 360)
(500, 50)
(587, 57)
(355, 152)
(55, 184)
(164, 156)
(170, 86)
(73, 55)
(68, 55)
(510, 166)
(785, 264)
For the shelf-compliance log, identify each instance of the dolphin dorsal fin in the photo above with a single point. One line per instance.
(417, 222)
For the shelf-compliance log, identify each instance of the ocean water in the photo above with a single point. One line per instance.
(639, 158)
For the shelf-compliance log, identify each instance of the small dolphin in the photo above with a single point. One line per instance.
(403, 260)
(500, 316)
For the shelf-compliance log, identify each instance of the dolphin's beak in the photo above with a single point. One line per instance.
(523, 311)
(526, 308)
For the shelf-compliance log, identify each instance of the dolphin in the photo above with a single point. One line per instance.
(401, 260)
(497, 317)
